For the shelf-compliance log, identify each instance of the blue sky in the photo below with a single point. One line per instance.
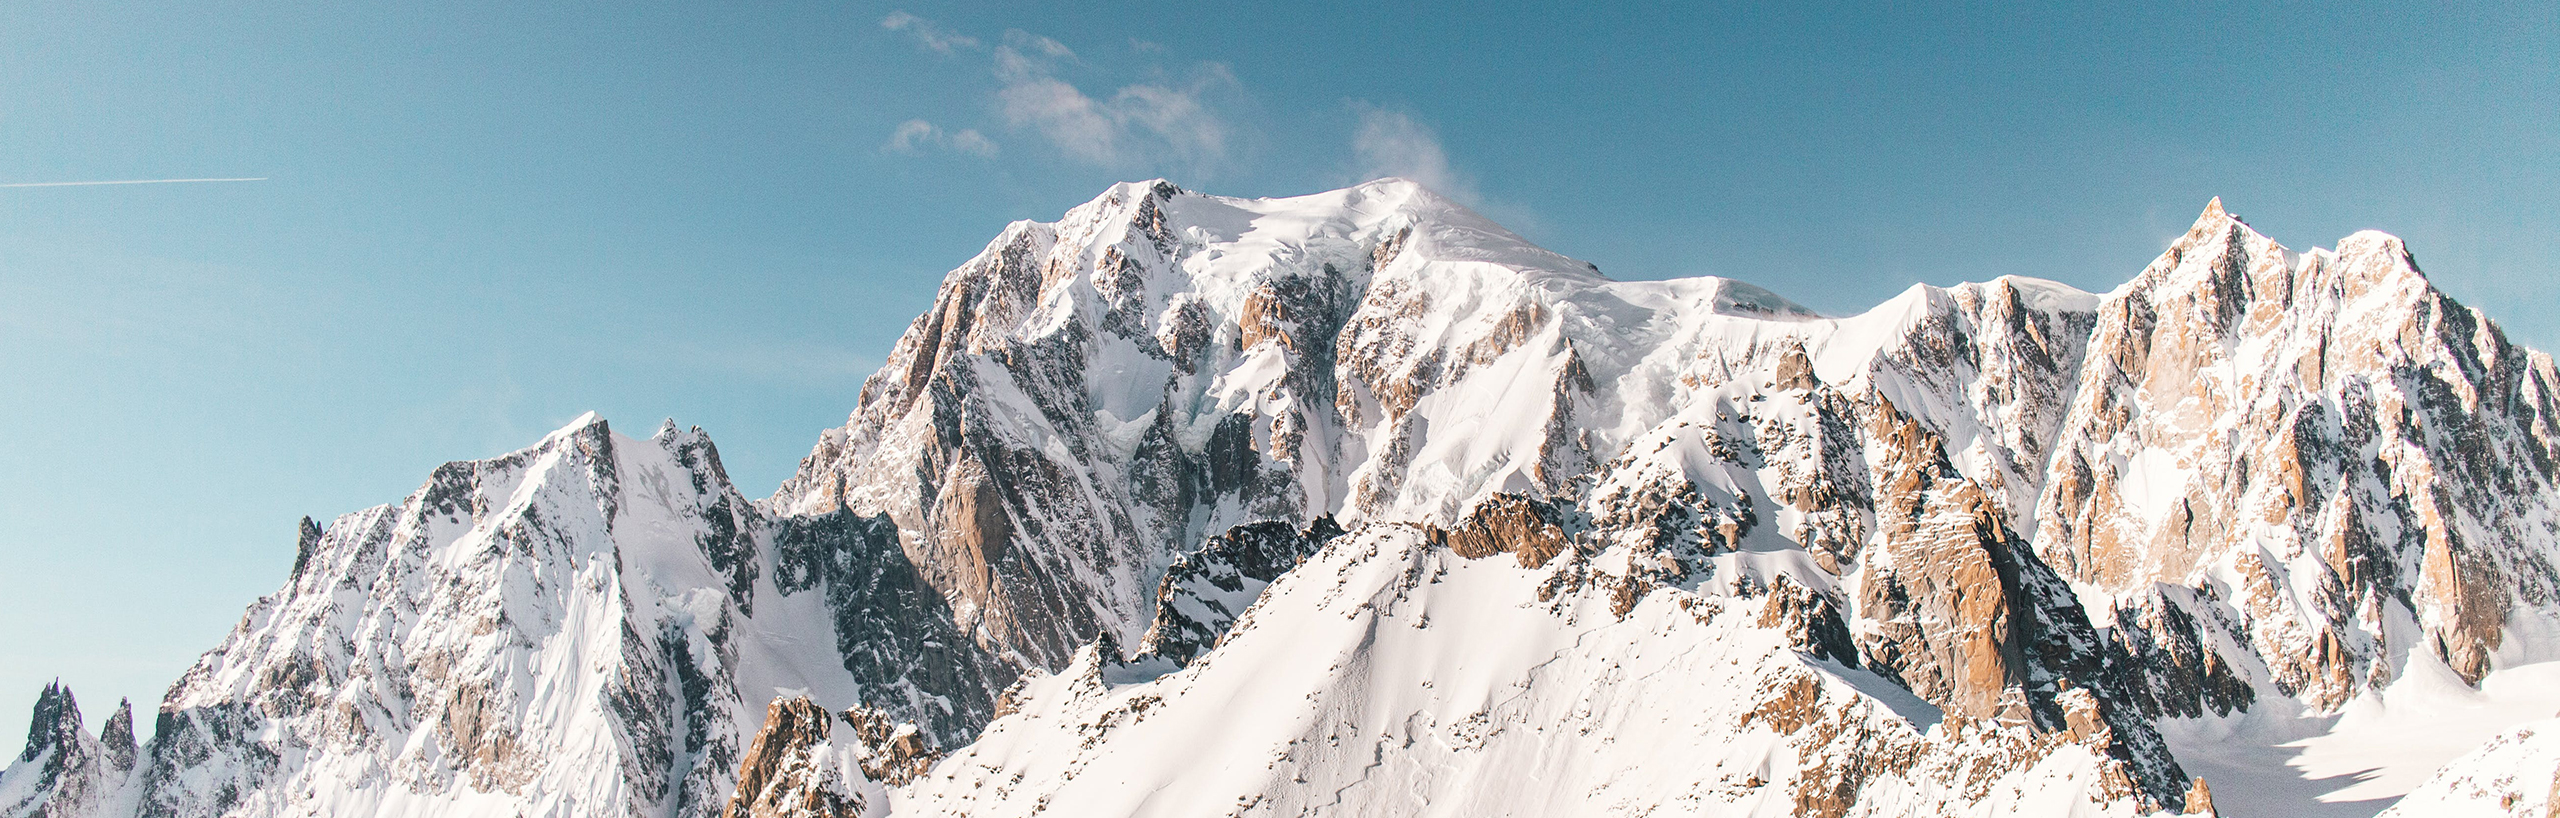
(480, 220)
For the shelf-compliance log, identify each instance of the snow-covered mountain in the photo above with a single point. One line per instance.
(1161, 366)
(592, 626)
(1357, 503)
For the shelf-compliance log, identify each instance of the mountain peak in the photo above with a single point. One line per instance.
(1130, 194)
(2212, 224)
(55, 723)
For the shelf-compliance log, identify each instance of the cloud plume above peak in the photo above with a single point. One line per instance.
(1392, 143)
(1389, 142)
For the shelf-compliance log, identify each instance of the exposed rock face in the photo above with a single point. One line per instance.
(889, 751)
(794, 771)
(1092, 398)
(2200, 800)
(797, 769)
(1206, 590)
(1525, 528)
(594, 621)
(2293, 471)
(894, 631)
(64, 772)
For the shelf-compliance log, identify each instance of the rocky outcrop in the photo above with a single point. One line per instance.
(1205, 591)
(2200, 800)
(889, 751)
(800, 767)
(784, 773)
(64, 772)
(797, 769)
(1530, 530)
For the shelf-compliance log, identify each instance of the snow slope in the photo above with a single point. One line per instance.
(1386, 676)
(2515, 774)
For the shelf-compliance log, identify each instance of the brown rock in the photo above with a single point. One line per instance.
(779, 778)
(1507, 523)
(2200, 799)
(893, 753)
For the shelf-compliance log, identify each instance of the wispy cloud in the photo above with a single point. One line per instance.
(130, 182)
(1038, 46)
(916, 136)
(1134, 125)
(929, 34)
(1170, 121)
(1394, 143)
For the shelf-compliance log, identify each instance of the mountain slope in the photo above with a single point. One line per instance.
(2515, 774)
(1387, 676)
(591, 625)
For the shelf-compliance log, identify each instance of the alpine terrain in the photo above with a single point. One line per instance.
(1359, 504)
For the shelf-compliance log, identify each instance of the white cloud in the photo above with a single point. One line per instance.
(1169, 122)
(1037, 44)
(970, 141)
(927, 33)
(917, 136)
(1393, 143)
(1071, 120)
(1139, 124)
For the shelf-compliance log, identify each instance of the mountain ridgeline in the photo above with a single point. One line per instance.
(1357, 503)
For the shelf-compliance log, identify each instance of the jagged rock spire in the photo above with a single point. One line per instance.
(117, 737)
(63, 771)
(56, 722)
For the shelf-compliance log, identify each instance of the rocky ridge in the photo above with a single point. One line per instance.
(591, 626)
(64, 772)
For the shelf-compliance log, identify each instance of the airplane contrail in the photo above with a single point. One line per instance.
(129, 182)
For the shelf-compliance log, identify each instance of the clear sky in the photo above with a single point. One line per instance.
(480, 220)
